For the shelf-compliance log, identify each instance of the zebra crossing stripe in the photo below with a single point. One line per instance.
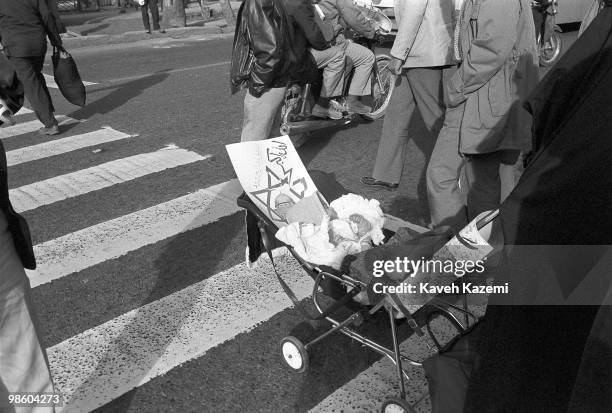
(50, 81)
(102, 363)
(111, 239)
(31, 126)
(64, 145)
(77, 183)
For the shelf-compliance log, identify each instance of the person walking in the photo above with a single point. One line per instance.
(152, 6)
(267, 53)
(24, 28)
(24, 367)
(485, 125)
(422, 53)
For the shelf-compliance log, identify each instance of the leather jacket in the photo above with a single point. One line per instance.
(262, 55)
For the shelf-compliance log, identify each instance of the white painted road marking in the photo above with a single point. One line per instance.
(31, 126)
(102, 363)
(64, 145)
(77, 183)
(50, 80)
(111, 239)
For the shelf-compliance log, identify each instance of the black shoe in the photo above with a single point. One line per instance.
(366, 180)
(148, 31)
(161, 31)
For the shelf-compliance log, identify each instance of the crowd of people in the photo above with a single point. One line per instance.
(470, 67)
(465, 65)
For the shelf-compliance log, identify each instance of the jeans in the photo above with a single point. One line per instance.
(262, 115)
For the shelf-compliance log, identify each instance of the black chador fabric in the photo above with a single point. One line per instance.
(557, 225)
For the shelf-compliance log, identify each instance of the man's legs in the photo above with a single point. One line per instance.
(261, 115)
(29, 72)
(446, 198)
(427, 86)
(23, 361)
(154, 14)
(416, 87)
(390, 156)
(332, 62)
(361, 84)
(145, 15)
(482, 173)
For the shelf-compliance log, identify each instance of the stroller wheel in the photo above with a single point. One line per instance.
(294, 354)
(396, 405)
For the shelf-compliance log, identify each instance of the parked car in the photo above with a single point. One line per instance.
(569, 11)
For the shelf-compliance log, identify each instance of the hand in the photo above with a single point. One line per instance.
(397, 65)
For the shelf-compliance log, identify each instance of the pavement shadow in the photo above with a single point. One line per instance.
(121, 94)
(187, 259)
(95, 29)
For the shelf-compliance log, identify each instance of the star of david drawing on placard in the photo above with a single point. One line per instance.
(275, 182)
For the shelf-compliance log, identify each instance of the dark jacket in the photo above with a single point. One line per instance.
(268, 51)
(18, 227)
(557, 358)
(24, 26)
(302, 18)
(262, 56)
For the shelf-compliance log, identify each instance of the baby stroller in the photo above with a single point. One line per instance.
(343, 287)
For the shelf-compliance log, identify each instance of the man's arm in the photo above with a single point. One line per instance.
(355, 19)
(50, 24)
(265, 45)
(409, 14)
(489, 50)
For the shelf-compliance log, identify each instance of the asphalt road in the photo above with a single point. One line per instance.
(175, 94)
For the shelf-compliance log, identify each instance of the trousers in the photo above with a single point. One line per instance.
(262, 115)
(416, 88)
(23, 361)
(152, 5)
(29, 72)
(363, 61)
(331, 60)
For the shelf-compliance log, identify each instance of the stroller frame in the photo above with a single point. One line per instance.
(295, 352)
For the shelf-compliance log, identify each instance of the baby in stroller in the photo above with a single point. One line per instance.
(367, 280)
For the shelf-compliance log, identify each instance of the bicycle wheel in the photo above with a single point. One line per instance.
(383, 82)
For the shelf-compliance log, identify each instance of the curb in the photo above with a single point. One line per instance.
(129, 37)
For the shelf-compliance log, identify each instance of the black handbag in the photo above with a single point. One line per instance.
(67, 77)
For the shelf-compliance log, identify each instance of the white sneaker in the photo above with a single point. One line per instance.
(329, 112)
(336, 110)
